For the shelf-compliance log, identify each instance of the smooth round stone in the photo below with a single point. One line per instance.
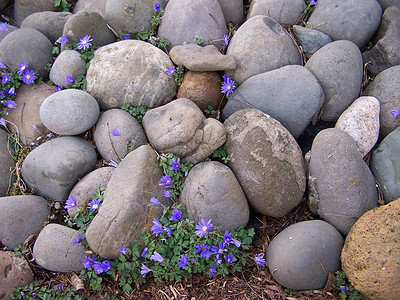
(98, 6)
(233, 11)
(66, 64)
(24, 8)
(69, 112)
(7, 163)
(284, 12)
(10, 29)
(386, 3)
(310, 39)
(301, 256)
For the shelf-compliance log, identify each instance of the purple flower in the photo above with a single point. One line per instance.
(212, 271)
(101, 267)
(88, 262)
(152, 39)
(126, 36)
(204, 250)
(313, 2)
(226, 77)
(183, 261)
(63, 40)
(10, 91)
(2, 65)
(156, 257)
(218, 260)
(10, 104)
(156, 6)
(144, 252)
(5, 78)
(122, 250)
(154, 201)
(84, 42)
(69, 79)
(226, 39)
(165, 181)
(3, 26)
(168, 231)
(228, 86)
(106, 265)
(237, 243)
(157, 228)
(166, 194)
(59, 287)
(23, 67)
(395, 113)
(220, 249)
(94, 204)
(342, 288)
(259, 259)
(78, 240)
(28, 77)
(144, 270)
(175, 164)
(113, 163)
(58, 88)
(227, 238)
(229, 258)
(115, 132)
(203, 227)
(171, 70)
(71, 202)
(34, 127)
(176, 215)
(2, 122)
(1, 95)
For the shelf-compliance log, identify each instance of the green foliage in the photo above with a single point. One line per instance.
(20, 250)
(346, 290)
(63, 5)
(307, 8)
(178, 75)
(210, 111)
(198, 41)
(79, 83)
(137, 112)
(35, 291)
(221, 154)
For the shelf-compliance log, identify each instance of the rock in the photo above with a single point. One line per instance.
(16, 48)
(266, 160)
(69, 112)
(125, 212)
(9, 29)
(301, 256)
(89, 23)
(3, 4)
(212, 191)
(310, 39)
(347, 20)
(54, 167)
(291, 95)
(370, 256)
(387, 45)
(338, 67)
(361, 121)
(180, 127)
(50, 23)
(98, 6)
(202, 59)
(385, 88)
(184, 21)
(14, 271)
(341, 183)
(7, 164)
(386, 3)
(66, 64)
(20, 217)
(137, 71)
(111, 146)
(54, 249)
(24, 8)
(261, 45)
(233, 11)
(285, 12)
(86, 188)
(385, 165)
(203, 88)
(26, 114)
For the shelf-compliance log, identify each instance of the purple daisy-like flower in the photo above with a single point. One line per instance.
(126, 36)
(183, 261)
(176, 215)
(1, 95)
(259, 259)
(94, 204)
(220, 249)
(63, 40)
(22, 67)
(157, 228)
(115, 132)
(59, 287)
(78, 240)
(71, 202)
(204, 250)
(84, 43)
(28, 77)
(203, 227)
(144, 270)
(113, 163)
(144, 252)
(228, 86)
(395, 113)
(122, 250)
(10, 104)
(154, 201)
(218, 260)
(2, 65)
(313, 2)
(229, 258)
(156, 257)
(156, 6)
(106, 265)
(171, 70)
(237, 243)
(226, 39)
(227, 238)
(168, 231)
(69, 79)
(98, 267)
(5, 78)
(3, 26)
(175, 164)
(10, 91)
(165, 181)
(88, 262)
(58, 88)
(2, 122)
(166, 194)
(212, 271)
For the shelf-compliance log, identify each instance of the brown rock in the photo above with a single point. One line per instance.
(370, 257)
(203, 88)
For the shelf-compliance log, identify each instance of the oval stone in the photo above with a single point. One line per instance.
(284, 12)
(68, 63)
(7, 163)
(24, 8)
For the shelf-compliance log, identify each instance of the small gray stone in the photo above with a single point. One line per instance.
(66, 64)
(291, 95)
(7, 163)
(20, 217)
(285, 12)
(385, 165)
(385, 88)
(69, 112)
(202, 59)
(115, 147)
(88, 23)
(50, 23)
(233, 11)
(17, 48)
(125, 213)
(180, 127)
(385, 53)
(261, 45)
(24, 8)
(266, 160)
(310, 39)
(54, 249)
(342, 180)
(338, 67)
(137, 71)
(212, 191)
(98, 6)
(54, 167)
(301, 256)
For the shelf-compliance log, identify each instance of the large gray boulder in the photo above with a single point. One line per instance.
(386, 3)
(291, 95)
(68, 63)
(301, 256)
(180, 127)
(98, 6)
(212, 191)
(266, 160)
(233, 11)
(261, 45)
(137, 71)
(341, 186)
(54, 167)
(20, 217)
(24, 8)
(125, 212)
(7, 163)
(338, 68)
(283, 11)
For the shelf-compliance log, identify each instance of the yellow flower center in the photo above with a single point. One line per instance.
(229, 87)
(28, 76)
(84, 42)
(10, 105)
(95, 206)
(204, 228)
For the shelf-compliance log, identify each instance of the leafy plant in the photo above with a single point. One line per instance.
(35, 291)
(20, 250)
(137, 112)
(210, 111)
(63, 5)
(346, 290)
(222, 154)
